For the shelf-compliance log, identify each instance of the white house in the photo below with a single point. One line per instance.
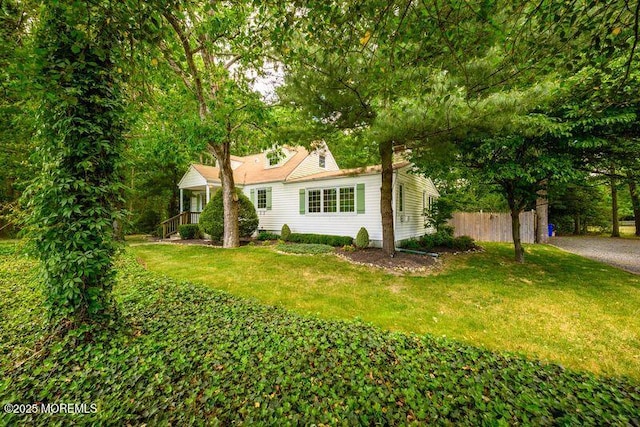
(310, 193)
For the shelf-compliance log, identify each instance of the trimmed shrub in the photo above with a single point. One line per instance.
(441, 238)
(212, 217)
(285, 232)
(362, 238)
(322, 239)
(265, 235)
(411, 244)
(305, 248)
(463, 243)
(189, 231)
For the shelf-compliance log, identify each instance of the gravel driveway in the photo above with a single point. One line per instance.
(621, 253)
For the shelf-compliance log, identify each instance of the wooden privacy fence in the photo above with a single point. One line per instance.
(493, 227)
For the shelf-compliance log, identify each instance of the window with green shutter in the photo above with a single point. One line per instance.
(269, 198)
(332, 200)
(360, 198)
(302, 202)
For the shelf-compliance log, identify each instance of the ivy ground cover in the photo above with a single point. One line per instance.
(557, 307)
(191, 355)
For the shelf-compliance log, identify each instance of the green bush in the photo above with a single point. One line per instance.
(362, 238)
(189, 231)
(192, 355)
(439, 239)
(305, 248)
(322, 239)
(442, 238)
(264, 235)
(463, 243)
(212, 217)
(147, 222)
(411, 244)
(285, 232)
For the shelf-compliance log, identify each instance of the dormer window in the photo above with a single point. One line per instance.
(322, 161)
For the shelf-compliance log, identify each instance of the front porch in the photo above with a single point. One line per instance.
(192, 202)
(172, 225)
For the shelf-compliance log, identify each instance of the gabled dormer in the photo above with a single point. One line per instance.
(318, 160)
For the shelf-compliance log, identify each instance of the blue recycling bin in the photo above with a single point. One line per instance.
(551, 227)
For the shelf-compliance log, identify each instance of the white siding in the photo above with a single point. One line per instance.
(192, 179)
(310, 165)
(411, 222)
(286, 209)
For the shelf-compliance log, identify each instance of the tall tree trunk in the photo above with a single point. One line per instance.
(386, 197)
(515, 227)
(231, 236)
(615, 228)
(542, 217)
(576, 224)
(635, 201)
(517, 241)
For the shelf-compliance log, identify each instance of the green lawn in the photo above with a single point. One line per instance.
(186, 354)
(557, 307)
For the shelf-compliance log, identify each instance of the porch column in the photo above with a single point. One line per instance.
(207, 195)
(181, 201)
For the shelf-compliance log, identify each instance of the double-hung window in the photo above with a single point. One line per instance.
(331, 200)
(347, 199)
(315, 201)
(262, 198)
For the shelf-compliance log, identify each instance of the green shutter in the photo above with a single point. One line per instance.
(302, 202)
(268, 198)
(253, 196)
(360, 198)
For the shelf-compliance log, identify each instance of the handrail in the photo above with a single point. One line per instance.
(170, 226)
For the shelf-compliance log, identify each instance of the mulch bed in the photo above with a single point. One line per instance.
(401, 262)
(201, 242)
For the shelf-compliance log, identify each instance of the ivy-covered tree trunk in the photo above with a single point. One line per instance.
(73, 204)
(635, 202)
(386, 199)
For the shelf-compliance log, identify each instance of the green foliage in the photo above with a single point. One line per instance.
(193, 355)
(441, 239)
(463, 243)
(18, 108)
(212, 217)
(323, 239)
(412, 244)
(147, 222)
(285, 232)
(362, 238)
(305, 248)
(441, 212)
(264, 235)
(73, 203)
(189, 231)
(575, 206)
